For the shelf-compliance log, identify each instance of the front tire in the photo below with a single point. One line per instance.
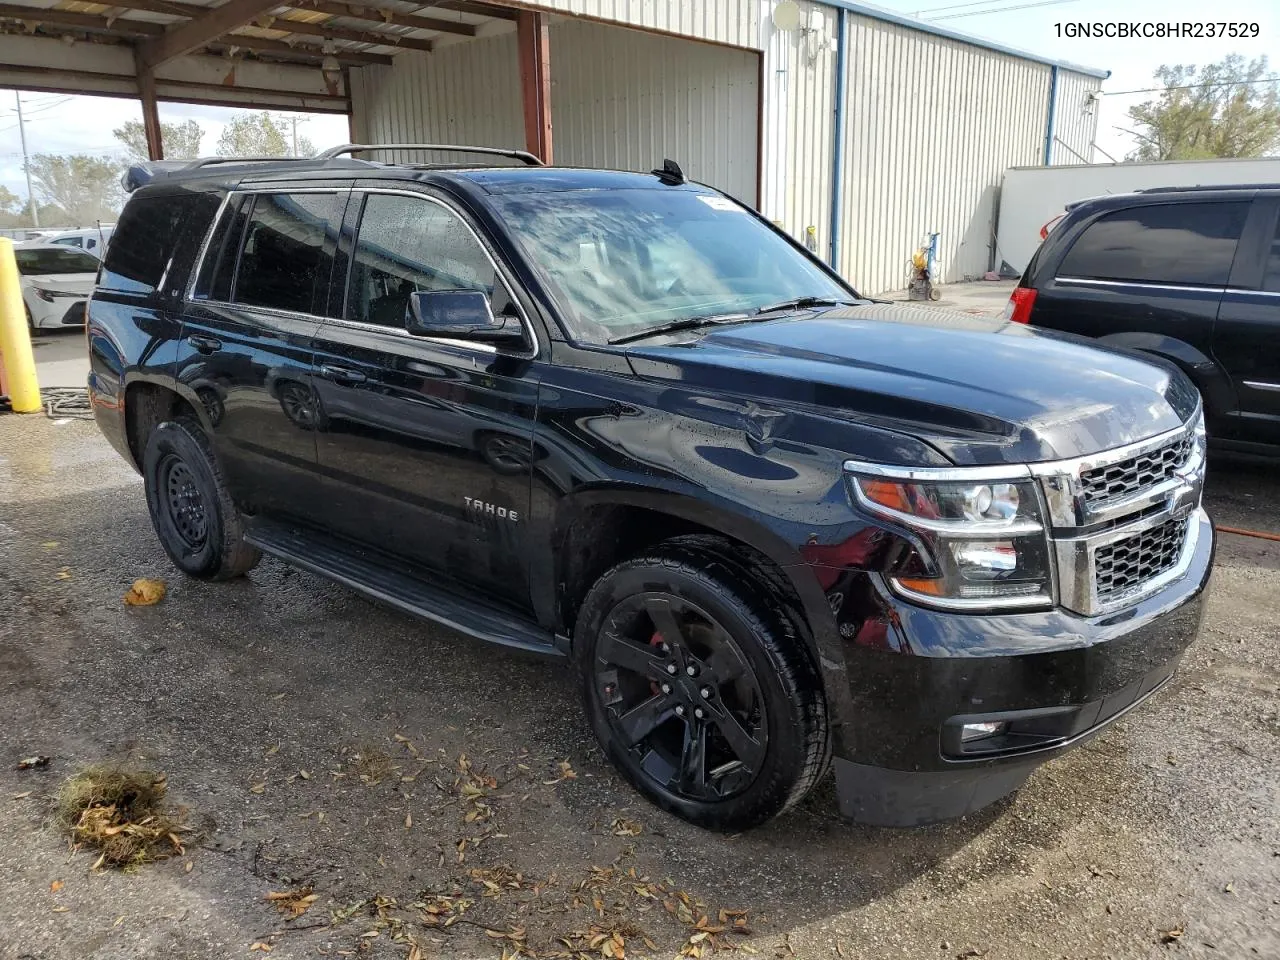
(191, 510)
(699, 690)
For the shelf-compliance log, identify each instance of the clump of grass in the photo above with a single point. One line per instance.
(120, 813)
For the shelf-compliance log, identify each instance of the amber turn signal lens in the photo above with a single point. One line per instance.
(886, 494)
(932, 588)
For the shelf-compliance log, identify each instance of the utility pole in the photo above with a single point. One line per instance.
(26, 165)
(294, 119)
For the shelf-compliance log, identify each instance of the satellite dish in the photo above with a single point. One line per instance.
(786, 15)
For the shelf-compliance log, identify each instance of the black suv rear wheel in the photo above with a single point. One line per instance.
(698, 689)
(198, 525)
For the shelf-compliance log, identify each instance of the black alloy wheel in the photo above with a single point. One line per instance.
(698, 686)
(681, 696)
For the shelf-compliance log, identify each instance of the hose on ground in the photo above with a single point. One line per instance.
(66, 402)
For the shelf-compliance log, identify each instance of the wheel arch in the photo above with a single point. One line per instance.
(1204, 372)
(148, 401)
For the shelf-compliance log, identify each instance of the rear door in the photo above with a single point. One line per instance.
(247, 336)
(1157, 271)
(426, 442)
(1247, 335)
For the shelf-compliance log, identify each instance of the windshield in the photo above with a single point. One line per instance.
(626, 261)
(34, 263)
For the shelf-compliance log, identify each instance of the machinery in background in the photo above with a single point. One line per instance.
(925, 266)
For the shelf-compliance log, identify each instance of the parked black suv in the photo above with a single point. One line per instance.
(1188, 274)
(620, 418)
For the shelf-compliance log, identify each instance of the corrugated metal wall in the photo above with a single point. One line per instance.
(1075, 119)
(626, 99)
(931, 126)
(722, 21)
(810, 65)
(619, 98)
(462, 93)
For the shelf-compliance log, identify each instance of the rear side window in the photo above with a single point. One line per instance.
(287, 250)
(1174, 243)
(1271, 279)
(151, 232)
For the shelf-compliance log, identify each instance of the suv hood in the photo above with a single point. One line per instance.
(980, 390)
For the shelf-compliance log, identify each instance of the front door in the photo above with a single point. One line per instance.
(426, 443)
(246, 348)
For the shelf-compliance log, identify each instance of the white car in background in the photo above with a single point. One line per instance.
(56, 282)
(92, 239)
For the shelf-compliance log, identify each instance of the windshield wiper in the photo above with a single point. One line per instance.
(684, 323)
(798, 303)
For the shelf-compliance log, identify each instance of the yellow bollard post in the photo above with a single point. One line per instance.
(15, 340)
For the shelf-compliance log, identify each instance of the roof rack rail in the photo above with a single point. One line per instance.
(1211, 186)
(208, 161)
(523, 155)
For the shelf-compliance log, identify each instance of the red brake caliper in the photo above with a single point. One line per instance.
(655, 641)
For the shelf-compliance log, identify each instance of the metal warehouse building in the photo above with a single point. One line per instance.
(860, 131)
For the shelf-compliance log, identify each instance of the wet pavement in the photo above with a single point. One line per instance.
(315, 739)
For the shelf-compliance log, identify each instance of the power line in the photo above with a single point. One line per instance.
(1020, 6)
(1191, 86)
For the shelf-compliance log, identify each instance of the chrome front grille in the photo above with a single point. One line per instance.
(1136, 473)
(1125, 565)
(1125, 522)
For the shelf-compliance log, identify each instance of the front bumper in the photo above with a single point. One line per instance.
(914, 675)
(62, 311)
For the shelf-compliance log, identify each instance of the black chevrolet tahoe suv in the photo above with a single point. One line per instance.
(1190, 274)
(620, 419)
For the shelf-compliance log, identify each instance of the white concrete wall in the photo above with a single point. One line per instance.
(1032, 196)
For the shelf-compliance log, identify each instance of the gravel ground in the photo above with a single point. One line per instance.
(316, 739)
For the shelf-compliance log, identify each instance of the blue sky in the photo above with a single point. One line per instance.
(83, 124)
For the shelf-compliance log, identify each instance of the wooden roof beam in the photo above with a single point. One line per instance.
(341, 33)
(375, 14)
(195, 33)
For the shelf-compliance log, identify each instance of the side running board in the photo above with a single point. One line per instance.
(336, 561)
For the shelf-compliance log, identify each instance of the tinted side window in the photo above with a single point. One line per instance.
(1188, 243)
(285, 255)
(1271, 279)
(406, 245)
(150, 232)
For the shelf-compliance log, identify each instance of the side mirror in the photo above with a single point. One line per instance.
(462, 315)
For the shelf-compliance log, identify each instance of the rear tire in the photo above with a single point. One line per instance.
(191, 510)
(738, 732)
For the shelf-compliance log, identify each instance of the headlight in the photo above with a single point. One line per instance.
(976, 543)
(43, 294)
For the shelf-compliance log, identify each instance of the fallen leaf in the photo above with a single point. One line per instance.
(293, 902)
(21, 796)
(272, 750)
(1172, 935)
(50, 544)
(408, 820)
(566, 771)
(258, 788)
(145, 592)
(188, 866)
(304, 774)
(1229, 888)
(63, 574)
(33, 763)
(61, 909)
(626, 828)
(970, 952)
(55, 886)
(259, 945)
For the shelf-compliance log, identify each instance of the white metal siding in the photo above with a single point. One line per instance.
(626, 99)
(1075, 118)
(462, 93)
(721, 21)
(931, 124)
(810, 64)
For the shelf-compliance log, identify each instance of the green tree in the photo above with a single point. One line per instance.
(86, 188)
(1226, 109)
(181, 141)
(259, 135)
(9, 201)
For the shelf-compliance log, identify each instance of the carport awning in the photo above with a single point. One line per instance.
(253, 53)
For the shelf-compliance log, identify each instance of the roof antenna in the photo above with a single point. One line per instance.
(670, 173)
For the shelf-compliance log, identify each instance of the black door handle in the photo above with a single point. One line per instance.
(205, 344)
(341, 374)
